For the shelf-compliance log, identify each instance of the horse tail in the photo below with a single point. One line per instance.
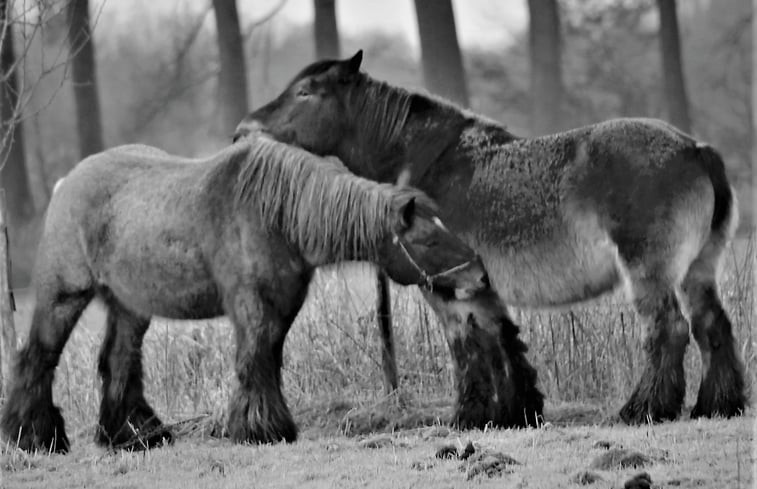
(725, 213)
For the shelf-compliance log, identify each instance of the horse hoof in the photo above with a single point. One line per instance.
(726, 410)
(146, 441)
(140, 432)
(262, 432)
(38, 443)
(141, 440)
(635, 413)
(246, 425)
(43, 430)
(721, 392)
(258, 435)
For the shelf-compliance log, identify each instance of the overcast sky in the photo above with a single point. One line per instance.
(479, 22)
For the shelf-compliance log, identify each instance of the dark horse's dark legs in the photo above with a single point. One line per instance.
(29, 416)
(257, 410)
(495, 382)
(660, 393)
(126, 419)
(722, 389)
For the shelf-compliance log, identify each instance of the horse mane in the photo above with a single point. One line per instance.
(381, 111)
(317, 204)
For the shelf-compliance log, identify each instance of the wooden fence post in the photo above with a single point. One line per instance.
(7, 306)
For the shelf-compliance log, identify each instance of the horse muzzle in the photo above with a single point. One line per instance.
(466, 279)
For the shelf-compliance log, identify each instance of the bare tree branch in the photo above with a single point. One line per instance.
(262, 20)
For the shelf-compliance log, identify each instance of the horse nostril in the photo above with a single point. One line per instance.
(485, 280)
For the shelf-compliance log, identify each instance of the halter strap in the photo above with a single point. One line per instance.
(428, 280)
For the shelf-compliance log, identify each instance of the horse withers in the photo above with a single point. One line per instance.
(558, 219)
(237, 234)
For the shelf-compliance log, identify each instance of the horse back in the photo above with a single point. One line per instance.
(559, 208)
(133, 219)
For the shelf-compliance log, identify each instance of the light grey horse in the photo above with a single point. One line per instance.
(237, 234)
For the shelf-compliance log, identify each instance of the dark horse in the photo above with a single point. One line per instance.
(237, 234)
(558, 219)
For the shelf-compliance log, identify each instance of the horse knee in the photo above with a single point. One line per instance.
(667, 327)
(709, 321)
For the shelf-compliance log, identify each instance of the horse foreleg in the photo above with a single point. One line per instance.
(495, 382)
(660, 392)
(127, 421)
(257, 410)
(29, 416)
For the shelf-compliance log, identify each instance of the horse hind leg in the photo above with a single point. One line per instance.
(660, 392)
(722, 389)
(127, 421)
(29, 416)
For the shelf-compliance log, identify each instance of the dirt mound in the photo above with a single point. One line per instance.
(394, 413)
(489, 463)
(620, 458)
(585, 477)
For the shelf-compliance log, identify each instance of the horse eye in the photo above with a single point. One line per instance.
(302, 93)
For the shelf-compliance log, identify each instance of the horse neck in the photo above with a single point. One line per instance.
(346, 218)
(397, 131)
(392, 126)
(445, 166)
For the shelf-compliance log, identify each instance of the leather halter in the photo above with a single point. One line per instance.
(428, 279)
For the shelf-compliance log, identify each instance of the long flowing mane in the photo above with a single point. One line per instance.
(317, 204)
(381, 111)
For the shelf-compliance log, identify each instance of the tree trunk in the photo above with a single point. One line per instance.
(232, 80)
(751, 195)
(326, 32)
(546, 67)
(13, 176)
(84, 79)
(7, 328)
(672, 66)
(443, 71)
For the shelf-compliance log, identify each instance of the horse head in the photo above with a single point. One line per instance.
(310, 111)
(421, 250)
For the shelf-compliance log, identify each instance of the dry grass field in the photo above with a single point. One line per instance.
(588, 360)
(701, 454)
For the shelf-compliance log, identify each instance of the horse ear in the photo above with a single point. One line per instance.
(353, 64)
(403, 180)
(407, 213)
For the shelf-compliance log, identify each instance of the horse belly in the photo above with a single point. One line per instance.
(172, 283)
(195, 302)
(577, 262)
